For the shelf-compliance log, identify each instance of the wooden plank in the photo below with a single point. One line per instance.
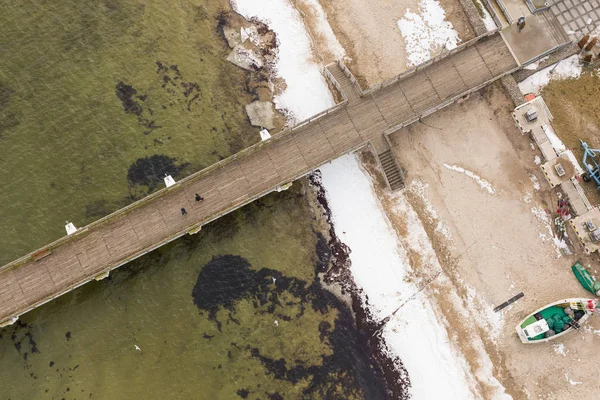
(38, 255)
(231, 183)
(379, 144)
(509, 302)
(287, 158)
(63, 267)
(496, 55)
(148, 225)
(445, 79)
(92, 252)
(351, 91)
(376, 130)
(364, 113)
(313, 144)
(120, 238)
(471, 67)
(170, 209)
(207, 188)
(35, 282)
(260, 171)
(419, 92)
(393, 105)
(340, 131)
(10, 291)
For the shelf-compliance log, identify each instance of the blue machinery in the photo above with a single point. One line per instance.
(593, 171)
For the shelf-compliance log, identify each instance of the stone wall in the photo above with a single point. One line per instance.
(473, 16)
(512, 90)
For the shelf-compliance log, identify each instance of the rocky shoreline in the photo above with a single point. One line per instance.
(338, 279)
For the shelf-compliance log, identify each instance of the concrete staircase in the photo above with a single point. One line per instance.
(393, 174)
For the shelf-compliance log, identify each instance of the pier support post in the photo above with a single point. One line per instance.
(9, 322)
(70, 228)
(284, 187)
(169, 181)
(103, 275)
(195, 229)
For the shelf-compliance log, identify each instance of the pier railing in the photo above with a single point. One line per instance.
(83, 231)
(446, 103)
(433, 60)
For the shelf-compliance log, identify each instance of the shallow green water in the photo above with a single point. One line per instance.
(89, 89)
(83, 344)
(67, 74)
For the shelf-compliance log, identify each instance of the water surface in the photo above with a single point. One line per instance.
(99, 99)
(209, 319)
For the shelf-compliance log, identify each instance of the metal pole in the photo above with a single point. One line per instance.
(444, 46)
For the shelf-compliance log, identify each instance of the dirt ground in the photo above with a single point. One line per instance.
(576, 111)
(492, 247)
(369, 32)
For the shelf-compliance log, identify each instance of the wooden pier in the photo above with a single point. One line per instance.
(364, 117)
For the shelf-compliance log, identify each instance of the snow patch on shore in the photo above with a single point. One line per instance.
(426, 31)
(420, 189)
(306, 92)
(483, 184)
(560, 349)
(323, 29)
(534, 180)
(568, 68)
(548, 236)
(416, 241)
(488, 21)
(493, 320)
(555, 141)
(380, 268)
(571, 381)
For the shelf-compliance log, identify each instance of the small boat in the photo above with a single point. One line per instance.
(555, 320)
(586, 279)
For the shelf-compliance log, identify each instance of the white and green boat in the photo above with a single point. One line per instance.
(555, 320)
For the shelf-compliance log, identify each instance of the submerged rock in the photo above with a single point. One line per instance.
(261, 113)
(232, 36)
(344, 371)
(245, 58)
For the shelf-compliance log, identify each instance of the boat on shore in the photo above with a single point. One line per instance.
(586, 279)
(555, 320)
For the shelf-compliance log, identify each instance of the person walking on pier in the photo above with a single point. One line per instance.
(183, 212)
(198, 197)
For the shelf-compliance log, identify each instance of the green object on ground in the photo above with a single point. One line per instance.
(585, 278)
(553, 316)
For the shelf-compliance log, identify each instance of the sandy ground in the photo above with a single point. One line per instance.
(490, 247)
(369, 32)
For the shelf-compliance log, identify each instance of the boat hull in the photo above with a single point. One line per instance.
(531, 319)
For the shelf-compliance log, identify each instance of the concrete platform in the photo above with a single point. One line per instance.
(577, 199)
(551, 174)
(543, 115)
(578, 225)
(543, 143)
(537, 37)
(516, 8)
